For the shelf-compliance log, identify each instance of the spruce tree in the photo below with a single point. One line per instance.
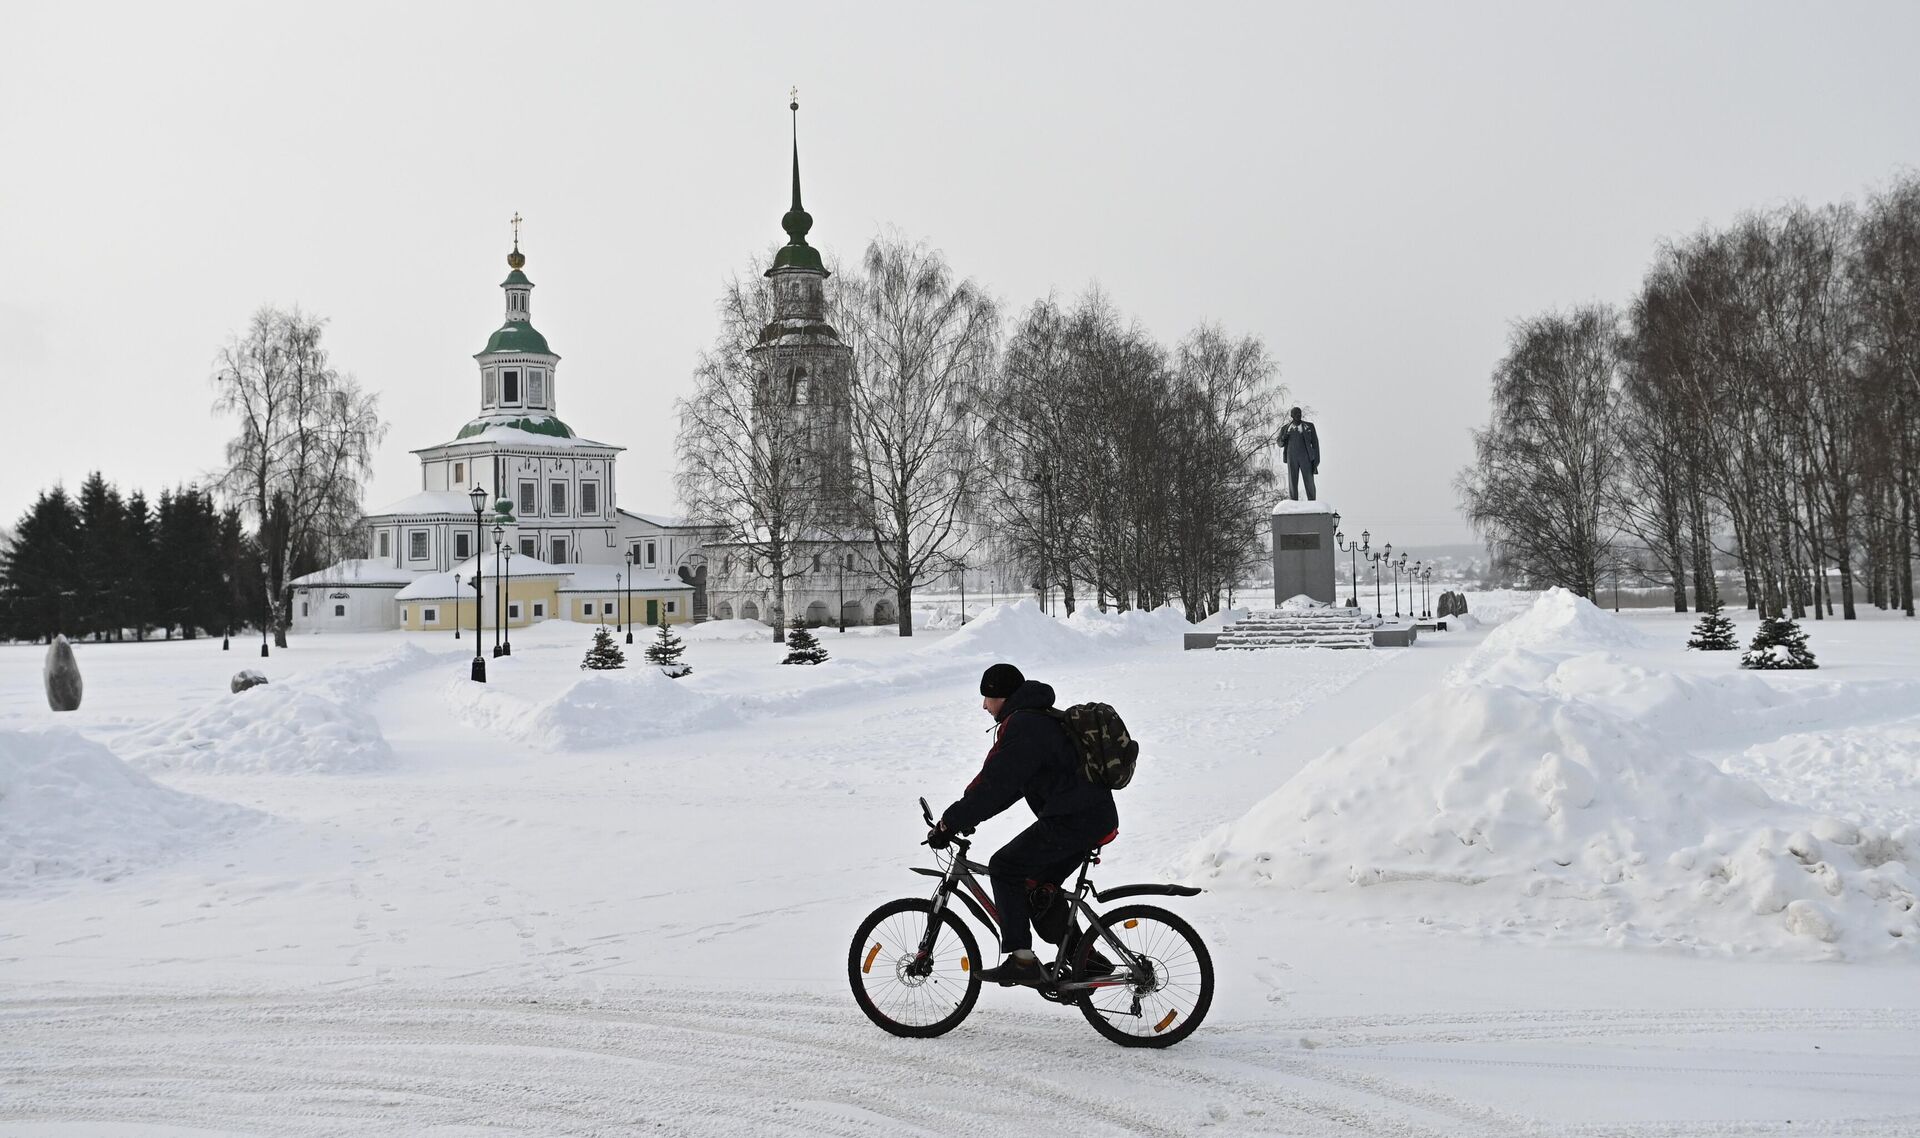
(605, 653)
(665, 652)
(1714, 632)
(143, 565)
(803, 647)
(1780, 644)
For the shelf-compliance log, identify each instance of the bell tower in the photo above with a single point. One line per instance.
(517, 368)
(806, 369)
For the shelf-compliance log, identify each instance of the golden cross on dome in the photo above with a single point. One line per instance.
(516, 228)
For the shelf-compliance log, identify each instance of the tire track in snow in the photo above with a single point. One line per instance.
(695, 1062)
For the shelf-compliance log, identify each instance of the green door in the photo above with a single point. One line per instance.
(653, 612)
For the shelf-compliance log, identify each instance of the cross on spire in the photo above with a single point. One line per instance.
(515, 219)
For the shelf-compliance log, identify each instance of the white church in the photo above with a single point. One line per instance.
(520, 500)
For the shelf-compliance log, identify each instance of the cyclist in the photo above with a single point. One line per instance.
(1032, 758)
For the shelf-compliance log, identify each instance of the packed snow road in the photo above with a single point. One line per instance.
(377, 1062)
(373, 898)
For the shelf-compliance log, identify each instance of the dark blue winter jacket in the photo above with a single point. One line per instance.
(1032, 758)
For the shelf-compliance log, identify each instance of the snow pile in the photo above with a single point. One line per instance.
(1021, 631)
(317, 724)
(1302, 601)
(70, 809)
(1017, 631)
(603, 710)
(725, 630)
(1223, 619)
(1163, 625)
(1554, 786)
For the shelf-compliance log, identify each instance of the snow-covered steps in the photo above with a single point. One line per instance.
(1306, 628)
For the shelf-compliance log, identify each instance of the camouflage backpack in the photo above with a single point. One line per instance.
(1107, 752)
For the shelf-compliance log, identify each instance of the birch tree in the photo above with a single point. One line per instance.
(746, 462)
(923, 343)
(305, 446)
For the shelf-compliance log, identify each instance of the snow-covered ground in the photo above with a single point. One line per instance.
(374, 898)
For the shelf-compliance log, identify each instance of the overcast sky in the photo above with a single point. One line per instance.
(1375, 191)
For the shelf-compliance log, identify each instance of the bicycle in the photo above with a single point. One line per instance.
(912, 961)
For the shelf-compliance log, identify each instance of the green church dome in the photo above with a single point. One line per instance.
(532, 424)
(517, 336)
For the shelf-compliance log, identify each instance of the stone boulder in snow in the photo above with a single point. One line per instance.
(246, 678)
(62, 674)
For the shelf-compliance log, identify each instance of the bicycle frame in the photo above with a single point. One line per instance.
(959, 873)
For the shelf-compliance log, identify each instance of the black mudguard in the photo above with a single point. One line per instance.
(1105, 895)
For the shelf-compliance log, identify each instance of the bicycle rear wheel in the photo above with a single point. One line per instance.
(897, 988)
(1166, 1003)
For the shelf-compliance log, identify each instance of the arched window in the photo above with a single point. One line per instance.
(798, 386)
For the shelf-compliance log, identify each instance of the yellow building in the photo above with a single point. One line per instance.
(534, 591)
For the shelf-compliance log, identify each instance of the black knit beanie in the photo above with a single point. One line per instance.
(999, 681)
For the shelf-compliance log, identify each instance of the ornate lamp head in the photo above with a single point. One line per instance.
(478, 497)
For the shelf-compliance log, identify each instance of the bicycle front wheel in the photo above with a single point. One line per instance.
(901, 990)
(1166, 999)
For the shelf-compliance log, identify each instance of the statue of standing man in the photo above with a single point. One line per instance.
(1300, 444)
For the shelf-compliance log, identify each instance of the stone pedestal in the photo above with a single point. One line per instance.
(1303, 551)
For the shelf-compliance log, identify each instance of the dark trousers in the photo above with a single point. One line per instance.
(1040, 855)
(1295, 472)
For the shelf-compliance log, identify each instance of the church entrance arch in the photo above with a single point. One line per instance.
(749, 611)
(850, 613)
(723, 611)
(883, 613)
(817, 612)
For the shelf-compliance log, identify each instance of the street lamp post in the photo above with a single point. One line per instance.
(266, 615)
(499, 595)
(1426, 601)
(1385, 554)
(629, 596)
(1397, 566)
(479, 499)
(1413, 573)
(1352, 550)
(456, 606)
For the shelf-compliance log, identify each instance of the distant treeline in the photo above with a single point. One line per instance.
(1755, 403)
(109, 567)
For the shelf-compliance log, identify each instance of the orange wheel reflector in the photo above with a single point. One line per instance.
(1162, 1025)
(1134, 924)
(965, 964)
(871, 953)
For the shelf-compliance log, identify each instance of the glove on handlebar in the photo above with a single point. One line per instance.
(939, 837)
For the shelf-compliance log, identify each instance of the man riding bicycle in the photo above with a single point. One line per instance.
(1032, 758)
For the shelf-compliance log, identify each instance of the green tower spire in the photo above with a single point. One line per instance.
(796, 253)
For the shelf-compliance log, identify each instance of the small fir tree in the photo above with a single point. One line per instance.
(1780, 643)
(1714, 632)
(803, 647)
(605, 653)
(665, 652)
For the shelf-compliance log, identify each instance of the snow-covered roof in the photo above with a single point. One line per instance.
(435, 587)
(358, 571)
(599, 579)
(666, 521)
(522, 566)
(1290, 506)
(431, 502)
(514, 436)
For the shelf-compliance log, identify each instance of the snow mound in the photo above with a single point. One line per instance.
(269, 729)
(69, 808)
(314, 725)
(1223, 618)
(726, 630)
(603, 710)
(1566, 820)
(1558, 623)
(1021, 631)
